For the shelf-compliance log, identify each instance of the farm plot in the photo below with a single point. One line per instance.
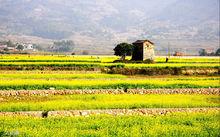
(103, 101)
(103, 59)
(35, 88)
(101, 65)
(30, 81)
(172, 125)
(104, 64)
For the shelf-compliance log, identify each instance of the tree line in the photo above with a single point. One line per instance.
(204, 52)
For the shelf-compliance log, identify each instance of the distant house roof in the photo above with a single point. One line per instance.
(142, 41)
(11, 48)
(209, 50)
(3, 46)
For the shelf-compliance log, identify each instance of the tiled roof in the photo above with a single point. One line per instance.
(142, 41)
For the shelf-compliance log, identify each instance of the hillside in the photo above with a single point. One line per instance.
(99, 24)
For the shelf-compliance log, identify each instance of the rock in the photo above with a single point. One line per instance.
(83, 113)
(52, 88)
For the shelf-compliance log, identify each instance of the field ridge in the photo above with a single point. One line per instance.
(205, 91)
(115, 112)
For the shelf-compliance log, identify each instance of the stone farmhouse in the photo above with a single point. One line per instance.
(143, 50)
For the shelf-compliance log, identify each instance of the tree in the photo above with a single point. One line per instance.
(217, 52)
(123, 50)
(202, 52)
(20, 47)
(10, 44)
(38, 47)
(63, 46)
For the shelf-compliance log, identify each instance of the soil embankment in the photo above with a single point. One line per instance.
(205, 91)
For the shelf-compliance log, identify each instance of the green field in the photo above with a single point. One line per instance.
(172, 125)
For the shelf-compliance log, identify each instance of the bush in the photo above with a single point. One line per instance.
(149, 61)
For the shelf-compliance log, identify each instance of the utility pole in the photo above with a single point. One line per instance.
(168, 50)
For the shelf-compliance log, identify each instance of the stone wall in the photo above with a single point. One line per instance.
(114, 112)
(148, 51)
(206, 91)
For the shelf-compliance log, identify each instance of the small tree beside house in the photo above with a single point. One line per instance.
(217, 53)
(141, 51)
(123, 50)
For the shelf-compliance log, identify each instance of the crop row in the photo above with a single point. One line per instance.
(188, 60)
(102, 65)
(85, 75)
(104, 101)
(174, 65)
(65, 58)
(58, 76)
(172, 125)
(56, 58)
(107, 83)
(43, 60)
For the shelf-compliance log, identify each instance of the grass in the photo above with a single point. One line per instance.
(172, 125)
(103, 101)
